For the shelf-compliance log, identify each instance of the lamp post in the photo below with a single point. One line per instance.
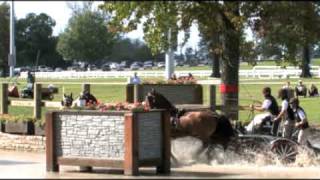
(169, 58)
(12, 55)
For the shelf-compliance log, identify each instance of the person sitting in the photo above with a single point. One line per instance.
(285, 114)
(173, 77)
(289, 89)
(301, 121)
(313, 91)
(190, 77)
(301, 89)
(270, 109)
(30, 80)
(135, 79)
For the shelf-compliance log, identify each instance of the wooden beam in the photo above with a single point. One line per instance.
(131, 145)
(76, 161)
(53, 104)
(51, 156)
(4, 98)
(27, 103)
(37, 101)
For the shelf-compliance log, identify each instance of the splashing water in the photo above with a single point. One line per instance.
(189, 150)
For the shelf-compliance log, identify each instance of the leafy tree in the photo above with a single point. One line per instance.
(223, 18)
(130, 50)
(86, 37)
(34, 38)
(293, 25)
(4, 37)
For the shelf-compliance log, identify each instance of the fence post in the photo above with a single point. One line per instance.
(4, 98)
(86, 87)
(212, 97)
(37, 101)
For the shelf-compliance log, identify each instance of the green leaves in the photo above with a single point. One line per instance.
(86, 37)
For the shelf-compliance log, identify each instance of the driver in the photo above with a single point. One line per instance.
(270, 109)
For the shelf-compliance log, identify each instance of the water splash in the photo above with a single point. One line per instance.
(190, 150)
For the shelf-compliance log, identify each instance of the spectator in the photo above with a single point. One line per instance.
(301, 89)
(313, 91)
(190, 76)
(30, 80)
(135, 79)
(290, 90)
(173, 77)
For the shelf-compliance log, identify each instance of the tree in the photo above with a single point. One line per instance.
(293, 25)
(4, 37)
(86, 37)
(34, 38)
(223, 18)
(130, 50)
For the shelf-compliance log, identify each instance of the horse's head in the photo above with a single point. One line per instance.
(89, 97)
(67, 100)
(155, 100)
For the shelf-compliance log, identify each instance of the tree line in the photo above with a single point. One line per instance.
(86, 38)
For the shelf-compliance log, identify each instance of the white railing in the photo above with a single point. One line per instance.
(261, 72)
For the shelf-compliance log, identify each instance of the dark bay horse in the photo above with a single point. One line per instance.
(206, 125)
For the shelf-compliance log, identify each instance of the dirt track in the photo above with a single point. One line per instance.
(32, 165)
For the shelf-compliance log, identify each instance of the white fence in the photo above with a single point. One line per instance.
(261, 72)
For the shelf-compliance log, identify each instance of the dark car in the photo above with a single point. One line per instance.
(105, 67)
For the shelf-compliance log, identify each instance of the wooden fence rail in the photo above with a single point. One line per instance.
(36, 102)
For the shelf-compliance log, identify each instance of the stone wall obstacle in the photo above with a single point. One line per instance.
(120, 139)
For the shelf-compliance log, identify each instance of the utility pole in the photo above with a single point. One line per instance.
(12, 55)
(169, 58)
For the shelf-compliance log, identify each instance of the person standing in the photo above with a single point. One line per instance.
(135, 79)
(301, 121)
(285, 114)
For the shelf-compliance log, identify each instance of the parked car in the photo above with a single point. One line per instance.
(148, 65)
(161, 65)
(58, 69)
(114, 66)
(135, 66)
(105, 67)
(124, 64)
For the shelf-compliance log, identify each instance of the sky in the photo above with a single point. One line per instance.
(61, 13)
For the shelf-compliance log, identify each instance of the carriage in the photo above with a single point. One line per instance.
(260, 140)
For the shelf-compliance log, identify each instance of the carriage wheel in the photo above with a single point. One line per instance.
(286, 150)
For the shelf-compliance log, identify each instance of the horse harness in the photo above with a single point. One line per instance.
(175, 117)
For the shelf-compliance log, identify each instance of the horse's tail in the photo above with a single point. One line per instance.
(224, 128)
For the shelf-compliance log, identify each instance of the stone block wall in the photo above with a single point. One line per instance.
(22, 142)
(90, 136)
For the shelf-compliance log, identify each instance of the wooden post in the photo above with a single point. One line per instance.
(136, 93)
(51, 156)
(131, 146)
(166, 144)
(212, 97)
(86, 87)
(130, 93)
(37, 101)
(4, 98)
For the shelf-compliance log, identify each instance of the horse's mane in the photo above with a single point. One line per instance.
(163, 102)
